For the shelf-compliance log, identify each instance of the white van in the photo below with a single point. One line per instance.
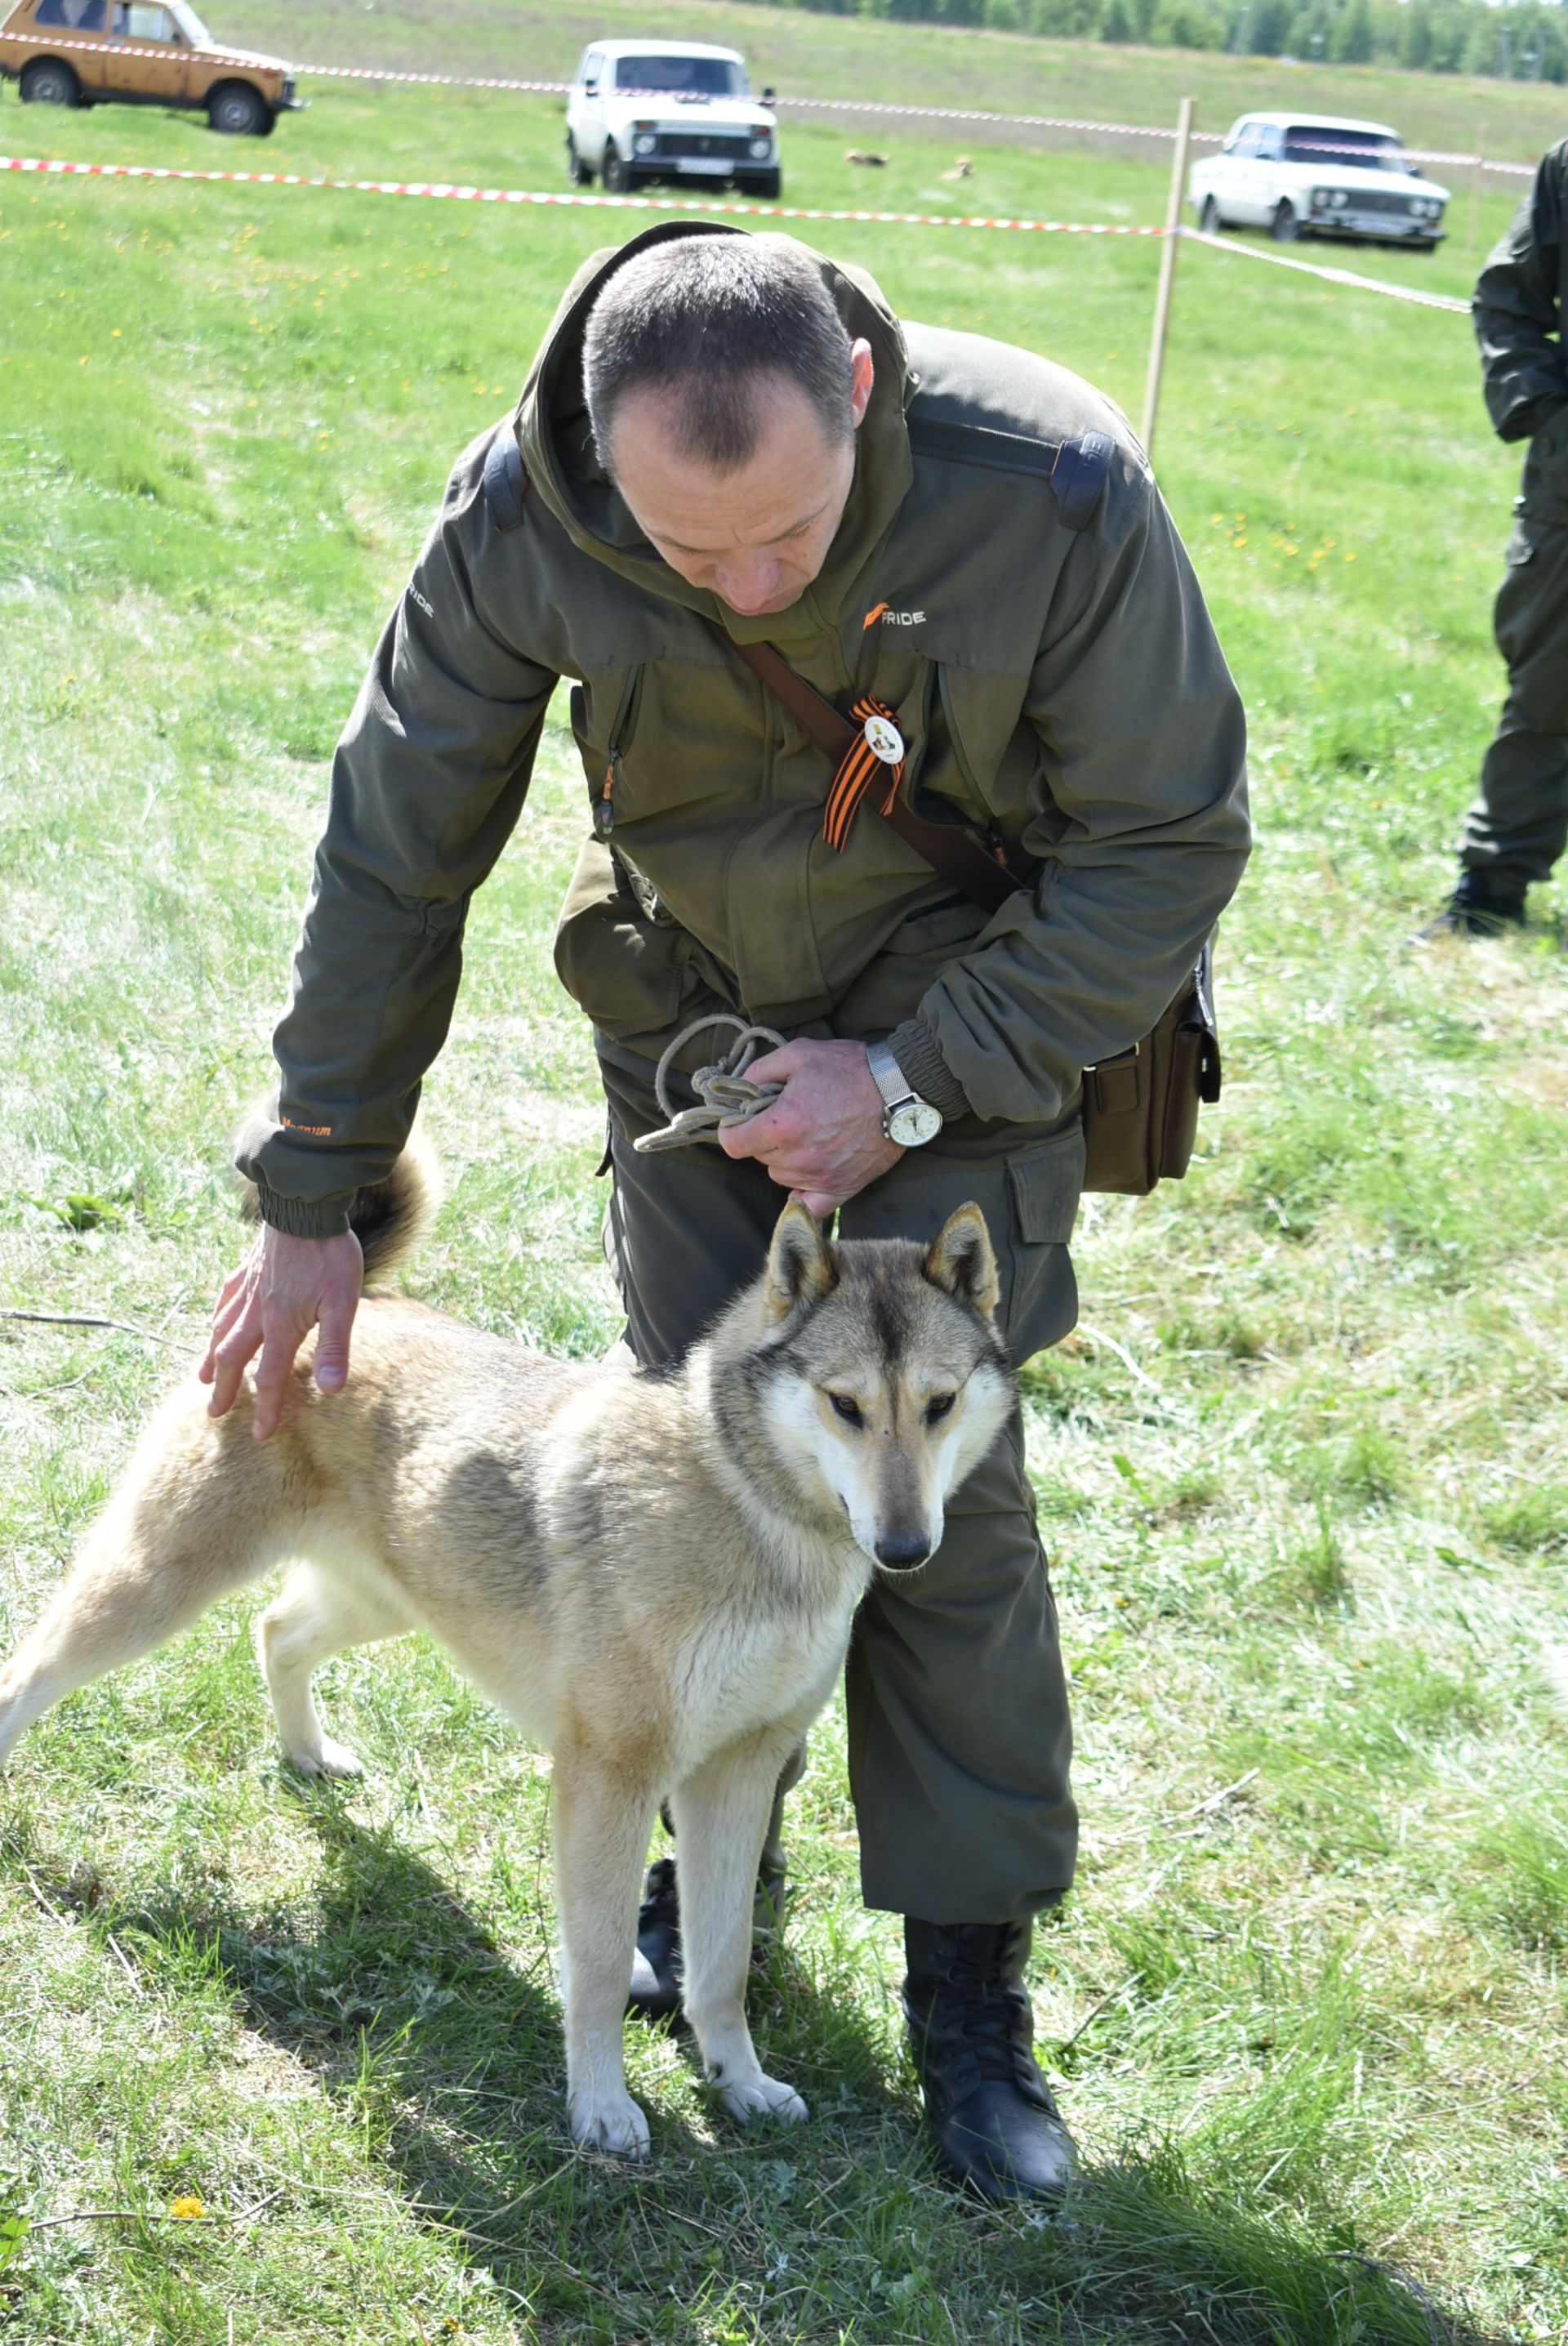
(645, 110)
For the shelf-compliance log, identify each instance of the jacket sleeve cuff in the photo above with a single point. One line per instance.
(924, 1069)
(304, 1218)
(1523, 422)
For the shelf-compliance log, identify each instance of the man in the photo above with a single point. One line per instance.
(725, 440)
(1514, 832)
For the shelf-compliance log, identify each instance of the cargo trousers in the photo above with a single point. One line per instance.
(1518, 824)
(959, 1741)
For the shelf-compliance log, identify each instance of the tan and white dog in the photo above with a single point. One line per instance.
(654, 1573)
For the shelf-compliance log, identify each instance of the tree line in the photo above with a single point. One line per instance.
(1527, 42)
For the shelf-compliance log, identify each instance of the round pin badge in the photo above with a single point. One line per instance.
(884, 739)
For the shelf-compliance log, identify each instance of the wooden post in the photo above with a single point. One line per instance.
(1477, 167)
(1167, 275)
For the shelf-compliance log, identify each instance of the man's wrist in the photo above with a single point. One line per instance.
(924, 1069)
(303, 1218)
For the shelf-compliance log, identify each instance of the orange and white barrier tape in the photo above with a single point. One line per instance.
(549, 197)
(166, 50)
(552, 200)
(1334, 276)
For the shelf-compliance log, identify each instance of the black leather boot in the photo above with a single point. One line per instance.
(972, 2028)
(655, 1989)
(1483, 904)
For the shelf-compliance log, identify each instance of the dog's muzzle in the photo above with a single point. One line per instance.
(903, 1554)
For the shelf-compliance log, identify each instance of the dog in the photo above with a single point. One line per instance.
(653, 1573)
(868, 162)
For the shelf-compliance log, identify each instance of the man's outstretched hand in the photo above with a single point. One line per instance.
(823, 1138)
(283, 1288)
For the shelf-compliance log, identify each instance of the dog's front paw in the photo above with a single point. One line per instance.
(613, 2124)
(765, 2098)
(329, 1758)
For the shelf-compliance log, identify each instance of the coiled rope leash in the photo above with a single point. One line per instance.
(725, 1094)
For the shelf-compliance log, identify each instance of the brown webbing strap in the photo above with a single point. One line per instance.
(956, 855)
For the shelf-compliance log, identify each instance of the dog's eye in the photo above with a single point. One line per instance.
(849, 1409)
(939, 1408)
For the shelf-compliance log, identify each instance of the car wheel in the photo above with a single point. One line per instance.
(1208, 219)
(617, 171)
(49, 83)
(1285, 225)
(766, 186)
(238, 110)
(578, 171)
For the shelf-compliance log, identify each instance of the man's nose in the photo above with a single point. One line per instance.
(748, 587)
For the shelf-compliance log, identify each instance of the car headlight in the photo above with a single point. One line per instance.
(1341, 199)
(760, 150)
(1320, 199)
(644, 143)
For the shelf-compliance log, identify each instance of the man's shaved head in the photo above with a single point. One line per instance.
(709, 327)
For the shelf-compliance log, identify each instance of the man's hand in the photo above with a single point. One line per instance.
(823, 1138)
(283, 1288)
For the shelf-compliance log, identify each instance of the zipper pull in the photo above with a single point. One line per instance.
(604, 810)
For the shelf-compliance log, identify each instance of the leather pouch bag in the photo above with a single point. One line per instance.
(1140, 1108)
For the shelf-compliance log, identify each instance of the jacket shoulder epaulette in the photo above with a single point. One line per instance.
(1077, 469)
(506, 480)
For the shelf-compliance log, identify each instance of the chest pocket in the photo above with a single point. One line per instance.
(604, 715)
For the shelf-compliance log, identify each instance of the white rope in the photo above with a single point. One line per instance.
(1334, 276)
(726, 1095)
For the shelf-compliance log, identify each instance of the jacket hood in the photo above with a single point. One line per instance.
(564, 468)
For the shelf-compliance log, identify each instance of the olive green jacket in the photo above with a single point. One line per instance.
(1518, 310)
(1059, 689)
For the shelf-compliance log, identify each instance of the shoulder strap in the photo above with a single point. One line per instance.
(955, 853)
(1076, 469)
(1079, 475)
(505, 482)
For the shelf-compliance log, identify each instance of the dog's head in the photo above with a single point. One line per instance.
(880, 1376)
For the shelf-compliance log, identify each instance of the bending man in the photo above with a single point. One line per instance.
(728, 441)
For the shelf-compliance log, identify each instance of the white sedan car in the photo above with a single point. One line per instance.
(642, 110)
(1316, 174)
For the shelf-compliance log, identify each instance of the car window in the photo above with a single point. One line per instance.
(1244, 141)
(1310, 142)
(73, 15)
(139, 23)
(685, 76)
(1270, 143)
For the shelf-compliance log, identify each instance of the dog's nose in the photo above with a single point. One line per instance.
(901, 1552)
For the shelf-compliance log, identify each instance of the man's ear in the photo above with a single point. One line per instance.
(962, 1261)
(861, 378)
(799, 1265)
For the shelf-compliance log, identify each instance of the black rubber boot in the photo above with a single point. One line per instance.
(655, 1989)
(972, 2029)
(1483, 905)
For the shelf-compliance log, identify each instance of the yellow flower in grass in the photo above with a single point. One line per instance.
(187, 2209)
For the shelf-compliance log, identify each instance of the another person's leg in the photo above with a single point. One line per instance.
(1515, 831)
(960, 1739)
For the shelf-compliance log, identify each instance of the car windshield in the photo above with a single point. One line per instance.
(1371, 150)
(190, 22)
(684, 76)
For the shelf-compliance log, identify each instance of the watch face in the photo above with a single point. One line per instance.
(912, 1123)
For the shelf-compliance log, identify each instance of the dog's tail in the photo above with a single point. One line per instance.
(389, 1218)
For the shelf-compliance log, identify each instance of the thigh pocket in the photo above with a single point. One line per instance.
(1040, 1297)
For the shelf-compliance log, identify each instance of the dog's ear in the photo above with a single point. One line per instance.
(800, 1267)
(962, 1261)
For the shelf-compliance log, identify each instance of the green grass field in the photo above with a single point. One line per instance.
(1301, 1469)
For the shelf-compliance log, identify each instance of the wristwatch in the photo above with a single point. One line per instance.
(907, 1119)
